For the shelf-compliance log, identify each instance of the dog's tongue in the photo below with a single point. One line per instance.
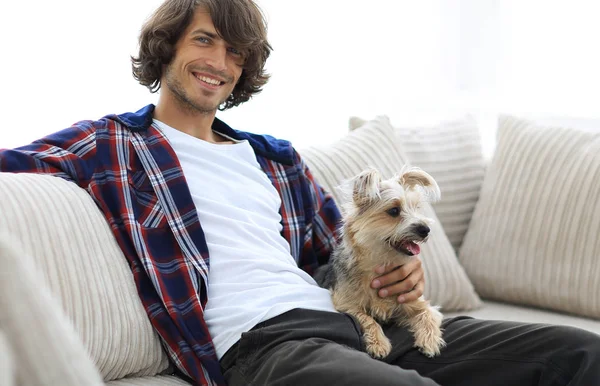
(412, 247)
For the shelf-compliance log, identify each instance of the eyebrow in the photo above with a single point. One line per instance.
(201, 31)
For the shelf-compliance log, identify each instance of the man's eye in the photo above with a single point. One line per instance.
(235, 51)
(394, 212)
(202, 39)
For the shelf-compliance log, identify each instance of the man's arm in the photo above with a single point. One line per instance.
(69, 154)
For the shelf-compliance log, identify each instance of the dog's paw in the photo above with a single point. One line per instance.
(429, 341)
(429, 338)
(379, 349)
(378, 345)
(431, 347)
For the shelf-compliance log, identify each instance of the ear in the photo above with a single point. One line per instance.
(411, 177)
(366, 187)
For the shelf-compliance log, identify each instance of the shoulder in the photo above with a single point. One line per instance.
(264, 145)
(278, 150)
(78, 134)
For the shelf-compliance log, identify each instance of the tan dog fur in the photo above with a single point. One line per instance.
(372, 234)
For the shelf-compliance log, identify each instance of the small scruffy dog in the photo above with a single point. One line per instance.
(382, 226)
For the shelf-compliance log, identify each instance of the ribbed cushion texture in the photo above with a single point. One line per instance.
(60, 227)
(534, 237)
(46, 348)
(451, 152)
(158, 380)
(7, 366)
(375, 145)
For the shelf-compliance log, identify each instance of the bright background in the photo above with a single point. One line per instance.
(417, 61)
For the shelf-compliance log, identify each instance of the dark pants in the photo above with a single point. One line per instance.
(303, 347)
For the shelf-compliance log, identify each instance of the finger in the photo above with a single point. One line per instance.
(406, 285)
(396, 273)
(413, 295)
(382, 269)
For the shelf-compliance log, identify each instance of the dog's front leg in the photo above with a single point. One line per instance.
(424, 321)
(378, 345)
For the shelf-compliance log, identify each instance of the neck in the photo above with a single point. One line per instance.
(187, 120)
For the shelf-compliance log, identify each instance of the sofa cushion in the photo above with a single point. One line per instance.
(451, 152)
(158, 380)
(46, 348)
(7, 370)
(60, 227)
(501, 311)
(533, 239)
(375, 145)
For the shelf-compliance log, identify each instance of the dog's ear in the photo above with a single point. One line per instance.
(411, 177)
(366, 187)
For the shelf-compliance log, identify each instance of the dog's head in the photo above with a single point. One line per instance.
(384, 216)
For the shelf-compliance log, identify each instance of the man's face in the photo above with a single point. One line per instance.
(205, 68)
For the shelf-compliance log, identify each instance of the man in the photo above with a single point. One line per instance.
(223, 228)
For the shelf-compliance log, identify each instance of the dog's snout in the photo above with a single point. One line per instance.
(422, 230)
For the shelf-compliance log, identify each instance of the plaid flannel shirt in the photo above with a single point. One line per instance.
(130, 170)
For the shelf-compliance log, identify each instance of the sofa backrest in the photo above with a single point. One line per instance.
(61, 228)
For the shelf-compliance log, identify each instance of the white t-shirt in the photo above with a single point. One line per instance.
(253, 276)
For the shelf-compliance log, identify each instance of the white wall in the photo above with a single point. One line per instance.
(66, 60)
(336, 58)
(417, 61)
(550, 58)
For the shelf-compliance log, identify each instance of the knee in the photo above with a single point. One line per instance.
(578, 347)
(591, 342)
(575, 337)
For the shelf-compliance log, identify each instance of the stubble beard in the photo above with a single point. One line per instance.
(184, 101)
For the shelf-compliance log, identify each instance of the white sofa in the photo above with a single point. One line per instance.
(70, 314)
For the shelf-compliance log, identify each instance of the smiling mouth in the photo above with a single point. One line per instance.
(208, 80)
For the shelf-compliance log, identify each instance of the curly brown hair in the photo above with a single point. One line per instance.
(239, 22)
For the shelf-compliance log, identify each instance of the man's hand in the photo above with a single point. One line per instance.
(407, 281)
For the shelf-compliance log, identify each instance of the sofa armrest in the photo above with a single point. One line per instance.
(44, 345)
(7, 372)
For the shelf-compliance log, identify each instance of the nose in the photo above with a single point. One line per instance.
(217, 58)
(422, 230)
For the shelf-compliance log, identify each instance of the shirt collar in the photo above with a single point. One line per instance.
(264, 145)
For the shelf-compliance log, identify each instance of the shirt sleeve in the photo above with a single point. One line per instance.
(69, 154)
(321, 233)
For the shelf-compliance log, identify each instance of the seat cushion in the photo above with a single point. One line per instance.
(158, 380)
(501, 311)
(375, 145)
(60, 227)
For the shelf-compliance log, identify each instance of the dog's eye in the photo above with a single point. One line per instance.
(394, 212)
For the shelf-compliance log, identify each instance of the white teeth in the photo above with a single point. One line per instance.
(209, 80)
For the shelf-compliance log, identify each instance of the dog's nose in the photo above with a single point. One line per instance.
(422, 230)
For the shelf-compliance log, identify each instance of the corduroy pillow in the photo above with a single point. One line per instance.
(60, 227)
(375, 145)
(534, 237)
(451, 152)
